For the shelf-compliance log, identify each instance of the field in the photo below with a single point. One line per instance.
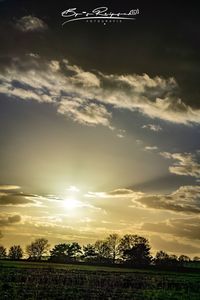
(26, 280)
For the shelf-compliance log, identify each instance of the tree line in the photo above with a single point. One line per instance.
(129, 249)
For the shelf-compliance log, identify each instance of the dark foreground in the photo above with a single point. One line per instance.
(25, 280)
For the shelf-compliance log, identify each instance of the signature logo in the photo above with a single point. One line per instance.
(99, 13)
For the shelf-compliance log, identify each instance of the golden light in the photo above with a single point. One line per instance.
(71, 203)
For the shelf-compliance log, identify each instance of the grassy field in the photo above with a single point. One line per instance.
(26, 280)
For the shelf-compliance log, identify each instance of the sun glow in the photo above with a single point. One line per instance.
(71, 203)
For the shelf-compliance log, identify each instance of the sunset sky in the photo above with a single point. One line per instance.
(100, 124)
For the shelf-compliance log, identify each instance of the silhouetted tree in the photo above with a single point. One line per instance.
(37, 249)
(161, 258)
(184, 258)
(135, 249)
(2, 252)
(89, 253)
(196, 258)
(65, 252)
(164, 259)
(73, 250)
(173, 259)
(103, 251)
(58, 253)
(113, 242)
(15, 252)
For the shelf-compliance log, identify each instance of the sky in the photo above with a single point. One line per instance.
(100, 124)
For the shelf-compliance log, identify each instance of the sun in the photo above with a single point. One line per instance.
(71, 203)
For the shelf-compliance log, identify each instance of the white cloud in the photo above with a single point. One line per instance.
(85, 112)
(151, 148)
(85, 96)
(185, 164)
(152, 127)
(121, 133)
(31, 23)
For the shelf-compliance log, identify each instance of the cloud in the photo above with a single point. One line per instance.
(17, 199)
(87, 97)
(31, 23)
(9, 187)
(185, 164)
(85, 112)
(117, 193)
(121, 133)
(6, 221)
(184, 200)
(152, 127)
(182, 227)
(174, 245)
(9, 196)
(120, 192)
(151, 148)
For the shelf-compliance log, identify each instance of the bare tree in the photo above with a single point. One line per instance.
(2, 252)
(37, 249)
(113, 242)
(15, 252)
(102, 250)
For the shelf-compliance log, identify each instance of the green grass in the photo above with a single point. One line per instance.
(49, 281)
(81, 267)
(47, 265)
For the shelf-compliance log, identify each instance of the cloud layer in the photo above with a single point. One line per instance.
(87, 97)
(182, 227)
(184, 200)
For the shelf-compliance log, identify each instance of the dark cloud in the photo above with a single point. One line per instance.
(174, 245)
(184, 200)
(15, 200)
(120, 192)
(10, 196)
(158, 39)
(183, 227)
(6, 221)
